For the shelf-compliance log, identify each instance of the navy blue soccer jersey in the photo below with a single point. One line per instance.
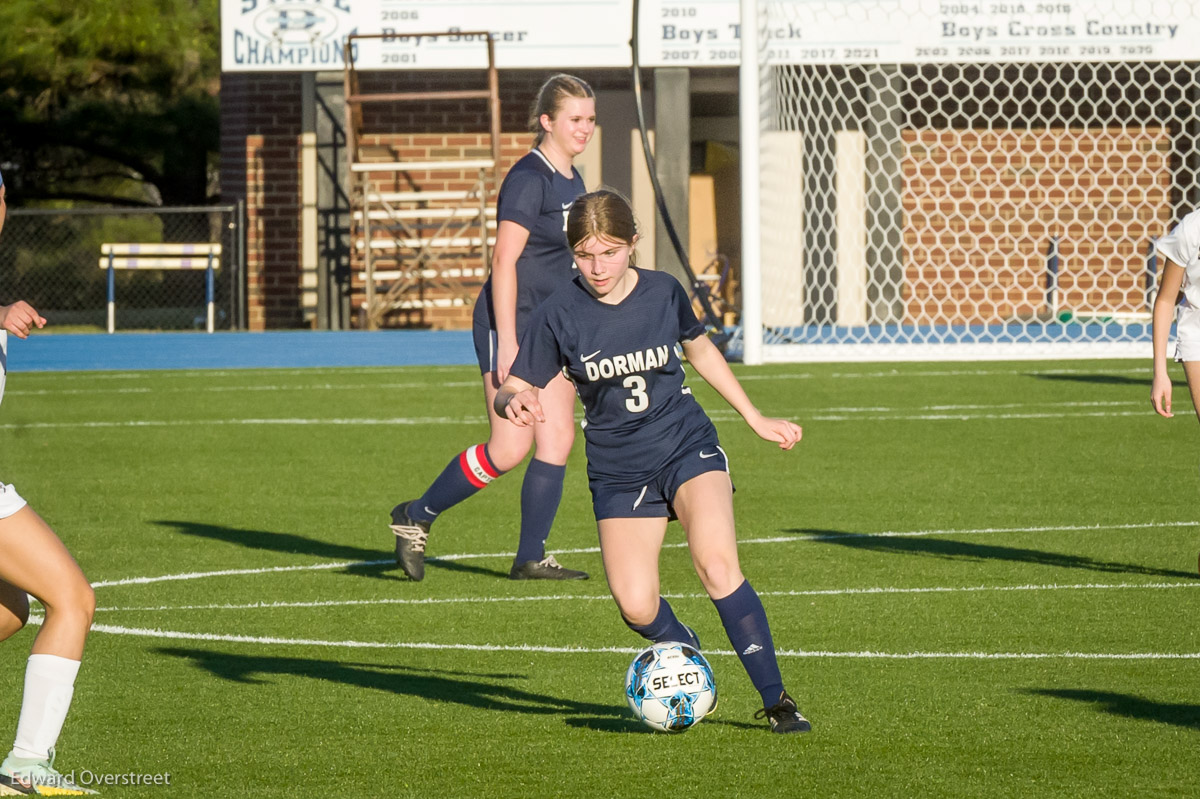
(537, 197)
(623, 362)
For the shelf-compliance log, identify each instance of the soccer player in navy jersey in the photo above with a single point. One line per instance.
(530, 261)
(33, 561)
(652, 452)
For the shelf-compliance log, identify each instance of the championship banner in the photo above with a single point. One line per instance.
(309, 35)
(306, 35)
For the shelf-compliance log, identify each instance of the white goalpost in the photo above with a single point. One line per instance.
(749, 88)
(959, 180)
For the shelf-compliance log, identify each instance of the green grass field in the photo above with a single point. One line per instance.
(982, 579)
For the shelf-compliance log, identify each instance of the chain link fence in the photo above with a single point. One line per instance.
(51, 259)
(928, 194)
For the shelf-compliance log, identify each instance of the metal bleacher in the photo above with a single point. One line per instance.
(422, 231)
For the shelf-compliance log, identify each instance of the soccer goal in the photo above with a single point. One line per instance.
(959, 179)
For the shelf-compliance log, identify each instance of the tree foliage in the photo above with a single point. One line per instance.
(111, 101)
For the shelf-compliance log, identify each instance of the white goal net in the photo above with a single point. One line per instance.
(963, 179)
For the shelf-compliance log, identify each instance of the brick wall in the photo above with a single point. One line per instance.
(442, 303)
(981, 207)
(260, 130)
(517, 91)
(444, 130)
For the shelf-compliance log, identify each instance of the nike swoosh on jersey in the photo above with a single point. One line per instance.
(567, 206)
(586, 358)
(709, 455)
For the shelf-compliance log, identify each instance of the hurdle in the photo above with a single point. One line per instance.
(160, 256)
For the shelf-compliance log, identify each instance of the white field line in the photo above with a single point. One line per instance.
(875, 591)
(48, 392)
(960, 417)
(208, 374)
(1139, 370)
(989, 407)
(429, 646)
(165, 578)
(406, 421)
(582, 550)
(622, 650)
(933, 413)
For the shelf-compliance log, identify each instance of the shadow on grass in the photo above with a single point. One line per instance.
(1129, 706)
(476, 691)
(367, 562)
(629, 724)
(964, 550)
(1095, 379)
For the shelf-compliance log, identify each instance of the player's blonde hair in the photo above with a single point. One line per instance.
(550, 99)
(601, 214)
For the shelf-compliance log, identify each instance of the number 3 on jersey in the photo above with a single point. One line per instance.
(640, 400)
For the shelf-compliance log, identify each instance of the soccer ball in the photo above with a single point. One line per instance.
(670, 686)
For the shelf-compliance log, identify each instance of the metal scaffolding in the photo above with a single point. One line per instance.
(421, 230)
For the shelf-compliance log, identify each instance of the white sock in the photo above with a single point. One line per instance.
(49, 685)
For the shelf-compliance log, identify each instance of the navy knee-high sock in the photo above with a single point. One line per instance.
(746, 625)
(665, 627)
(541, 492)
(467, 473)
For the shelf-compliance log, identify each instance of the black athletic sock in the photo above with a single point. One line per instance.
(746, 625)
(665, 627)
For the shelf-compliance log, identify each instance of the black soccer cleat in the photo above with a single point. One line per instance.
(784, 716)
(15, 786)
(411, 536)
(545, 569)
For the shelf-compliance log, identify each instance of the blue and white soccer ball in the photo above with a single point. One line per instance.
(670, 686)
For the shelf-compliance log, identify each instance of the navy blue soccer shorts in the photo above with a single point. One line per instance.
(653, 499)
(483, 332)
(485, 348)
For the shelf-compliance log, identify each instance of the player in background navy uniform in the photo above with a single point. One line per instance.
(33, 561)
(530, 261)
(652, 452)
